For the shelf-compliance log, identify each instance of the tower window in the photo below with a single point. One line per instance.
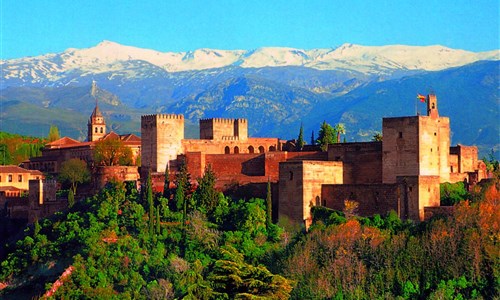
(291, 175)
(20, 178)
(96, 130)
(400, 134)
(101, 130)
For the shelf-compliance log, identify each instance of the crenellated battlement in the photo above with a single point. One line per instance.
(162, 116)
(222, 121)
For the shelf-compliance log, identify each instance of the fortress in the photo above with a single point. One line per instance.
(401, 173)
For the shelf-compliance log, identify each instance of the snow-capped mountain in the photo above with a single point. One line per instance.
(130, 62)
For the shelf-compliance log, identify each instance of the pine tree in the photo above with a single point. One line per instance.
(300, 139)
(313, 140)
(269, 205)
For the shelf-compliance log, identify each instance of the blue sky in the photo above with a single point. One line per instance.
(30, 28)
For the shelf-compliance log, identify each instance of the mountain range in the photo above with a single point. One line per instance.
(277, 89)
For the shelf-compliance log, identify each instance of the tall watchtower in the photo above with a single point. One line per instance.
(416, 145)
(96, 127)
(161, 140)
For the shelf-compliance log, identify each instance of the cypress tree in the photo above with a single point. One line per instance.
(313, 140)
(300, 139)
(149, 197)
(269, 207)
(158, 228)
(166, 186)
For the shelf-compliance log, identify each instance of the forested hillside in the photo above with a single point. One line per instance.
(195, 243)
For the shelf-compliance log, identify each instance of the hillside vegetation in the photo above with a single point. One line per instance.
(195, 243)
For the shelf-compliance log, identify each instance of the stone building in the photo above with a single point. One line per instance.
(401, 173)
(65, 148)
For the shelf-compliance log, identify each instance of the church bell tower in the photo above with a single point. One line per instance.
(96, 124)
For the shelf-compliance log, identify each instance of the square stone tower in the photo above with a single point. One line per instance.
(161, 140)
(416, 145)
(224, 129)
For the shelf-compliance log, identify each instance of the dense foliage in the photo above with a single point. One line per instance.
(112, 152)
(15, 148)
(191, 242)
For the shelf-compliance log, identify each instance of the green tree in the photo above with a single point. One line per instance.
(269, 206)
(74, 172)
(71, 199)
(112, 152)
(53, 133)
(149, 198)
(326, 136)
(166, 185)
(339, 129)
(300, 139)
(206, 194)
(313, 140)
(5, 156)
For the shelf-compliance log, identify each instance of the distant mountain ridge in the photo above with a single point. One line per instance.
(112, 57)
(276, 89)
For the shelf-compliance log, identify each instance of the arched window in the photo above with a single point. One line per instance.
(96, 130)
(250, 149)
(291, 175)
(236, 150)
(101, 130)
(261, 149)
(227, 150)
(272, 148)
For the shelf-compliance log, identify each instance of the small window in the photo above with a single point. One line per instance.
(410, 188)
(227, 150)
(431, 149)
(250, 149)
(433, 105)
(400, 134)
(435, 134)
(236, 150)
(0, 178)
(20, 178)
(291, 175)
(261, 149)
(101, 130)
(96, 130)
(10, 177)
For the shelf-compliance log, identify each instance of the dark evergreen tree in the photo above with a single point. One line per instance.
(149, 197)
(326, 136)
(206, 194)
(269, 206)
(300, 139)
(313, 140)
(158, 225)
(166, 186)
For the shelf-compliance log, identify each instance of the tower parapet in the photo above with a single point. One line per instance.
(221, 128)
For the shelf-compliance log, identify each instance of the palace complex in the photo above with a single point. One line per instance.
(400, 173)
